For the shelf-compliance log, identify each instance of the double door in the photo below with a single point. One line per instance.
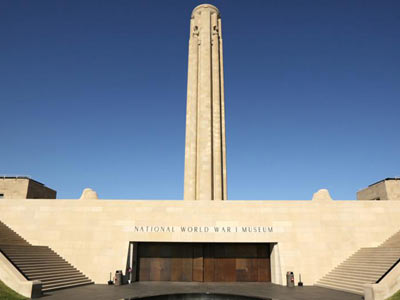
(203, 262)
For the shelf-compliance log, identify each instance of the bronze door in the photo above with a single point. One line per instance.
(165, 261)
(209, 262)
(236, 263)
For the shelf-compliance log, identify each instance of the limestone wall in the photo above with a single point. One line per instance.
(388, 189)
(393, 189)
(13, 187)
(313, 236)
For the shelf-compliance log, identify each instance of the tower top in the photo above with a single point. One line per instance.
(205, 6)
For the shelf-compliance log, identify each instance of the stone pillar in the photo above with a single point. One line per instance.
(205, 153)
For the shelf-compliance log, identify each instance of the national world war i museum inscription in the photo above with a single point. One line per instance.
(205, 229)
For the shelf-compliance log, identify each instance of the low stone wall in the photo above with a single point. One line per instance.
(389, 285)
(313, 237)
(16, 281)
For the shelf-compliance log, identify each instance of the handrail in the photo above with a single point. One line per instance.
(388, 271)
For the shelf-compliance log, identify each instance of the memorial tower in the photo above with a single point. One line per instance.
(205, 149)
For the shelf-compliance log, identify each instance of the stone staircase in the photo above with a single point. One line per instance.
(367, 265)
(39, 262)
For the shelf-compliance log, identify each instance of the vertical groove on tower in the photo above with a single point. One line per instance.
(223, 132)
(216, 95)
(205, 162)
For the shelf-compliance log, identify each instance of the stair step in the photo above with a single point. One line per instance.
(341, 288)
(41, 269)
(36, 253)
(56, 276)
(37, 261)
(30, 265)
(377, 255)
(66, 286)
(36, 258)
(356, 271)
(380, 250)
(28, 247)
(352, 280)
(351, 276)
(40, 258)
(19, 247)
(370, 262)
(62, 280)
(352, 286)
(376, 258)
(53, 268)
(367, 266)
(32, 255)
(46, 287)
(52, 272)
(355, 274)
(29, 255)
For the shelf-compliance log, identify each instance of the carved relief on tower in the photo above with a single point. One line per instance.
(197, 21)
(195, 31)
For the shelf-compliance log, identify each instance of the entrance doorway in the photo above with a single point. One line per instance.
(202, 262)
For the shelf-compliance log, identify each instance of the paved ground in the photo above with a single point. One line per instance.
(140, 289)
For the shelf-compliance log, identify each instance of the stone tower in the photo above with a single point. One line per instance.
(205, 151)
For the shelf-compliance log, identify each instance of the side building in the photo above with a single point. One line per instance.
(386, 189)
(21, 187)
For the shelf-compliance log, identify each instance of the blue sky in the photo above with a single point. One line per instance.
(93, 94)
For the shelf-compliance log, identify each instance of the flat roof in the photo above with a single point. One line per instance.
(20, 177)
(389, 178)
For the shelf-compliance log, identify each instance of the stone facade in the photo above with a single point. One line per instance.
(387, 189)
(24, 188)
(308, 237)
(205, 152)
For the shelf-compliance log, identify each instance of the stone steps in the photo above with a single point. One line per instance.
(367, 265)
(9, 236)
(39, 262)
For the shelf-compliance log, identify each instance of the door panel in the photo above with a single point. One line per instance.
(208, 263)
(198, 262)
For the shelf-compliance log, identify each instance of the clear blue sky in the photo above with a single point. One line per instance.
(93, 94)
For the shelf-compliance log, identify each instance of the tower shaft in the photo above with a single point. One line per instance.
(205, 151)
